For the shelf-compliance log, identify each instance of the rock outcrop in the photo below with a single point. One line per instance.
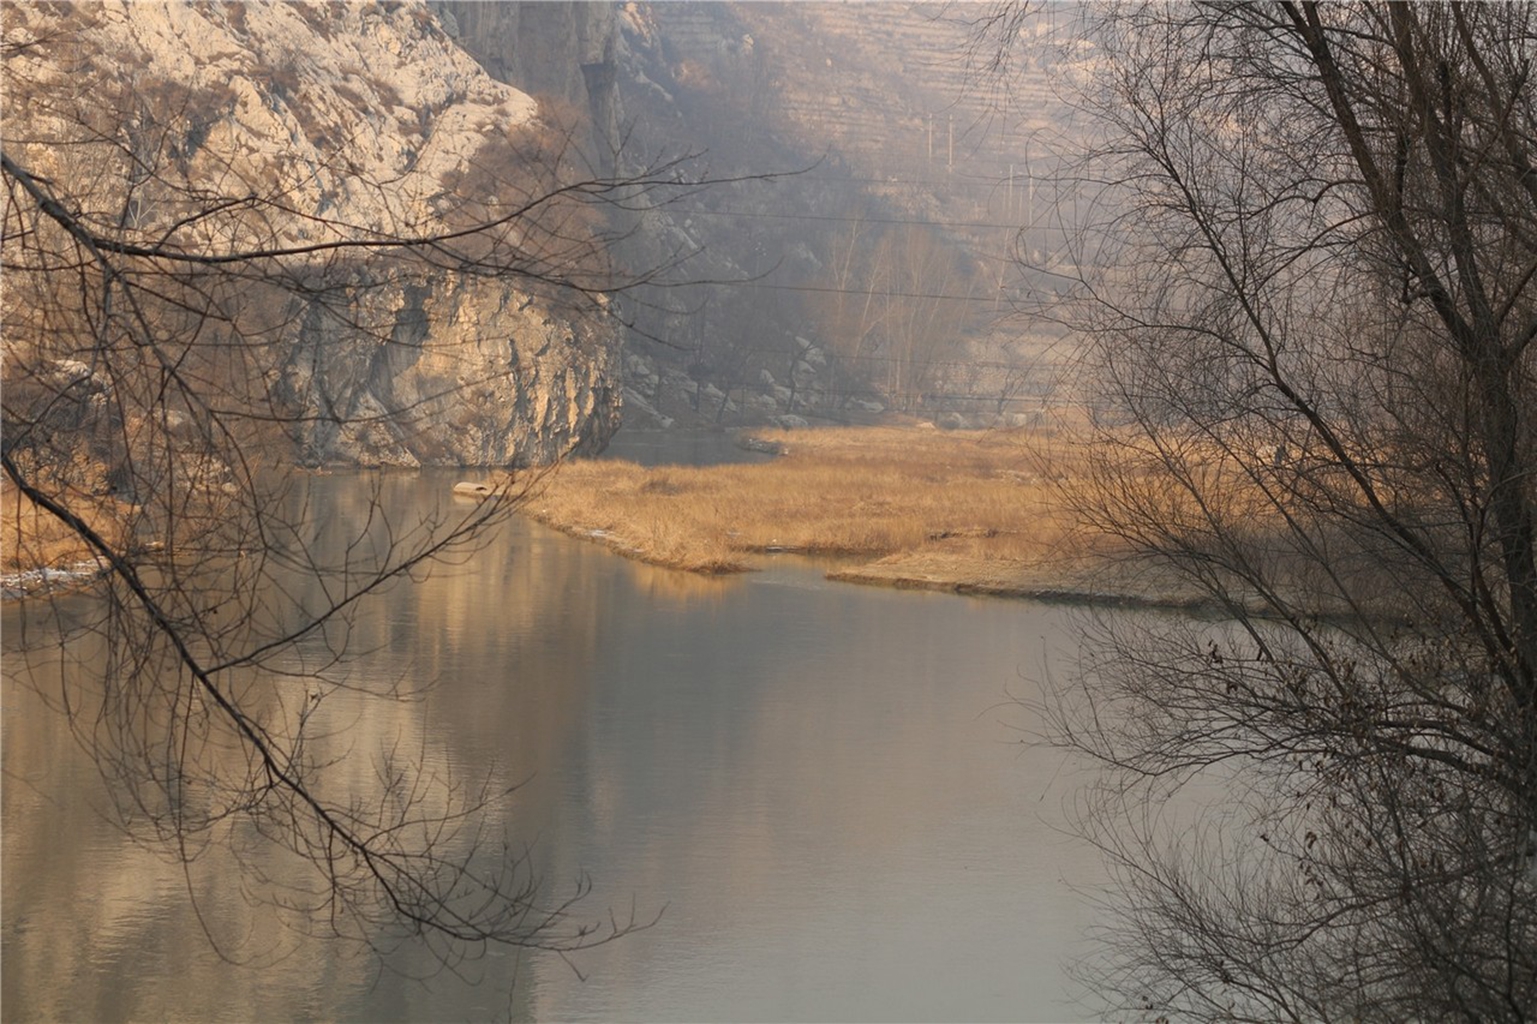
(306, 125)
(476, 373)
(552, 48)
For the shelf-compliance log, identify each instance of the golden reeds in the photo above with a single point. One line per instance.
(32, 538)
(954, 500)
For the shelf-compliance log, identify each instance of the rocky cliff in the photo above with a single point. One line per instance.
(241, 127)
(560, 50)
(476, 374)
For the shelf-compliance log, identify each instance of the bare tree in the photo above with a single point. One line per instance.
(160, 305)
(895, 309)
(848, 315)
(925, 288)
(1308, 305)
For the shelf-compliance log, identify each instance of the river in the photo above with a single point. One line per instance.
(820, 787)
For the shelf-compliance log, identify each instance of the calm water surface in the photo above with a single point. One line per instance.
(819, 785)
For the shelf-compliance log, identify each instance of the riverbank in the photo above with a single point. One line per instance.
(981, 512)
(38, 553)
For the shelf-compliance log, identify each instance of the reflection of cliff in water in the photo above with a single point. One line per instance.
(818, 782)
(102, 925)
(488, 659)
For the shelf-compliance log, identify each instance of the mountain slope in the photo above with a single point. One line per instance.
(224, 127)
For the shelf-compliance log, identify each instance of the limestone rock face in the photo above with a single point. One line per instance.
(355, 121)
(563, 50)
(353, 112)
(479, 374)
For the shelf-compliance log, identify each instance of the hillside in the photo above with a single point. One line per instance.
(916, 176)
(214, 128)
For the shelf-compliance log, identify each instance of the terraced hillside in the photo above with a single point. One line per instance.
(891, 96)
(888, 88)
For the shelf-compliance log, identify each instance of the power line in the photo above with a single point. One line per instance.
(890, 293)
(957, 180)
(858, 220)
(829, 290)
(877, 357)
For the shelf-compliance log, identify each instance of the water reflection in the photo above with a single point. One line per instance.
(97, 927)
(817, 782)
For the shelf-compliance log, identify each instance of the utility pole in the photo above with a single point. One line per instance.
(1029, 189)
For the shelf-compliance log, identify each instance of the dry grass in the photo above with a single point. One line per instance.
(955, 500)
(31, 538)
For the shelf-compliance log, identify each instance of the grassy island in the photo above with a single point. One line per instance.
(969, 511)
